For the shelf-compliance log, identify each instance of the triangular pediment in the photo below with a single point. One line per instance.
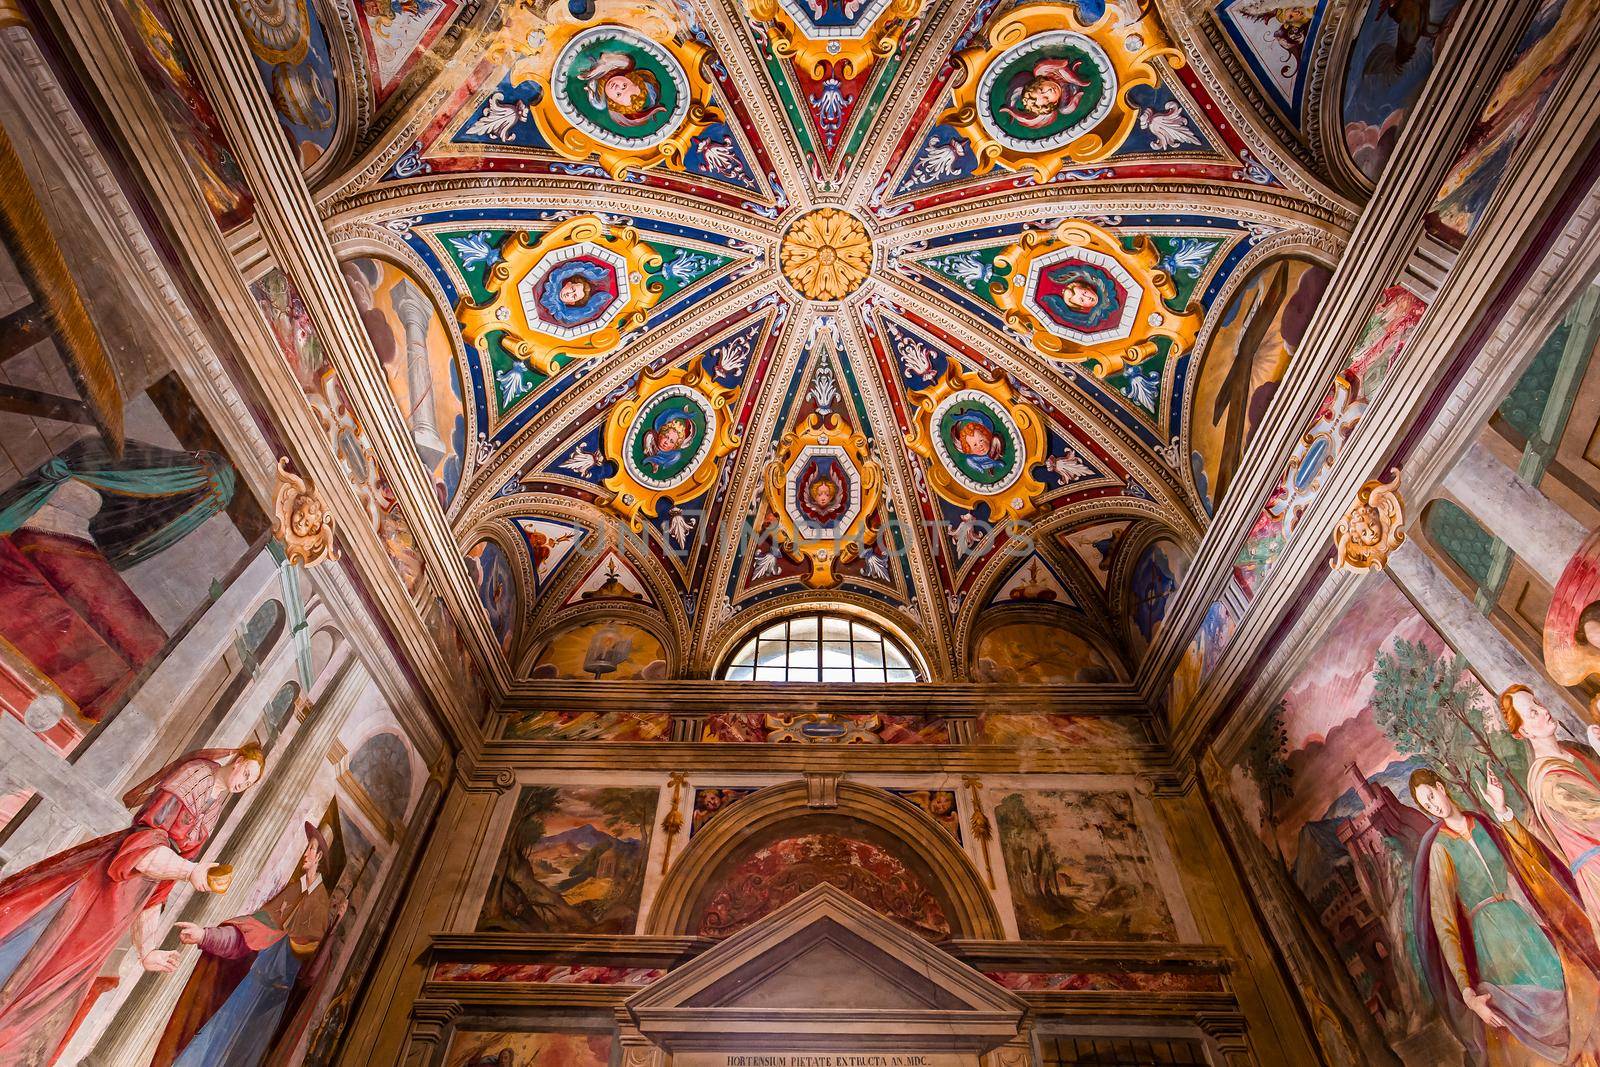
(822, 962)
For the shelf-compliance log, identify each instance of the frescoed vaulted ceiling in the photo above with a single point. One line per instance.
(696, 311)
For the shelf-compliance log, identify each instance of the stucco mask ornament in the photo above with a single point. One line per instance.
(1371, 529)
(980, 443)
(1572, 625)
(666, 439)
(846, 35)
(1080, 296)
(1047, 91)
(823, 487)
(302, 523)
(574, 291)
(630, 89)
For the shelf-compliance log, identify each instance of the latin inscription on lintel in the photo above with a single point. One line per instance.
(824, 1059)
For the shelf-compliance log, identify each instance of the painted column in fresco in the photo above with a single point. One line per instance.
(1531, 524)
(1493, 658)
(416, 314)
(144, 1015)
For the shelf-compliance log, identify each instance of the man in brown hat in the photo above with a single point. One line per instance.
(234, 1000)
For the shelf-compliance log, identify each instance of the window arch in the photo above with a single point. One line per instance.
(821, 647)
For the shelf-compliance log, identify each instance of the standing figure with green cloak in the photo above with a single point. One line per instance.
(1505, 944)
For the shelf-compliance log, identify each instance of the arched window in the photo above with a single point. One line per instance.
(821, 648)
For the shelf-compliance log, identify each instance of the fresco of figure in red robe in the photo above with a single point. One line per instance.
(61, 918)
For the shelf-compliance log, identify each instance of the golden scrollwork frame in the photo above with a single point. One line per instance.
(849, 54)
(824, 554)
(1131, 50)
(1150, 320)
(1017, 497)
(532, 42)
(632, 496)
(520, 255)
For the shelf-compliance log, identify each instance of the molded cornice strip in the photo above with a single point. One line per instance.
(1453, 331)
(294, 232)
(233, 325)
(535, 758)
(1382, 243)
(1513, 333)
(707, 697)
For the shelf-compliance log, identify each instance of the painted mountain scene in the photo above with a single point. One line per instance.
(573, 862)
(1326, 782)
(1080, 869)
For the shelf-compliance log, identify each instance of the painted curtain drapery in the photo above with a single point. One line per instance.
(96, 895)
(63, 602)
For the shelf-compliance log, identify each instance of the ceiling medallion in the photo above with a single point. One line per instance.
(575, 292)
(980, 443)
(1079, 295)
(846, 35)
(631, 90)
(826, 254)
(822, 485)
(1047, 90)
(666, 440)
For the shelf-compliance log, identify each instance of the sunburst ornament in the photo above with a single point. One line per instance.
(842, 35)
(576, 292)
(666, 439)
(826, 254)
(1080, 296)
(630, 88)
(1047, 90)
(981, 444)
(823, 488)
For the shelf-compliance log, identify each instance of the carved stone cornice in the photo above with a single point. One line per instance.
(1513, 260)
(474, 778)
(1384, 239)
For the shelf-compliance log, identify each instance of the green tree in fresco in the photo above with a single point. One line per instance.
(1267, 761)
(1431, 706)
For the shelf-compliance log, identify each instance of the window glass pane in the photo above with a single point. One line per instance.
(817, 647)
(836, 654)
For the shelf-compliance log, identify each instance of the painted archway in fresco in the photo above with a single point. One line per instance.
(496, 585)
(879, 848)
(1153, 578)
